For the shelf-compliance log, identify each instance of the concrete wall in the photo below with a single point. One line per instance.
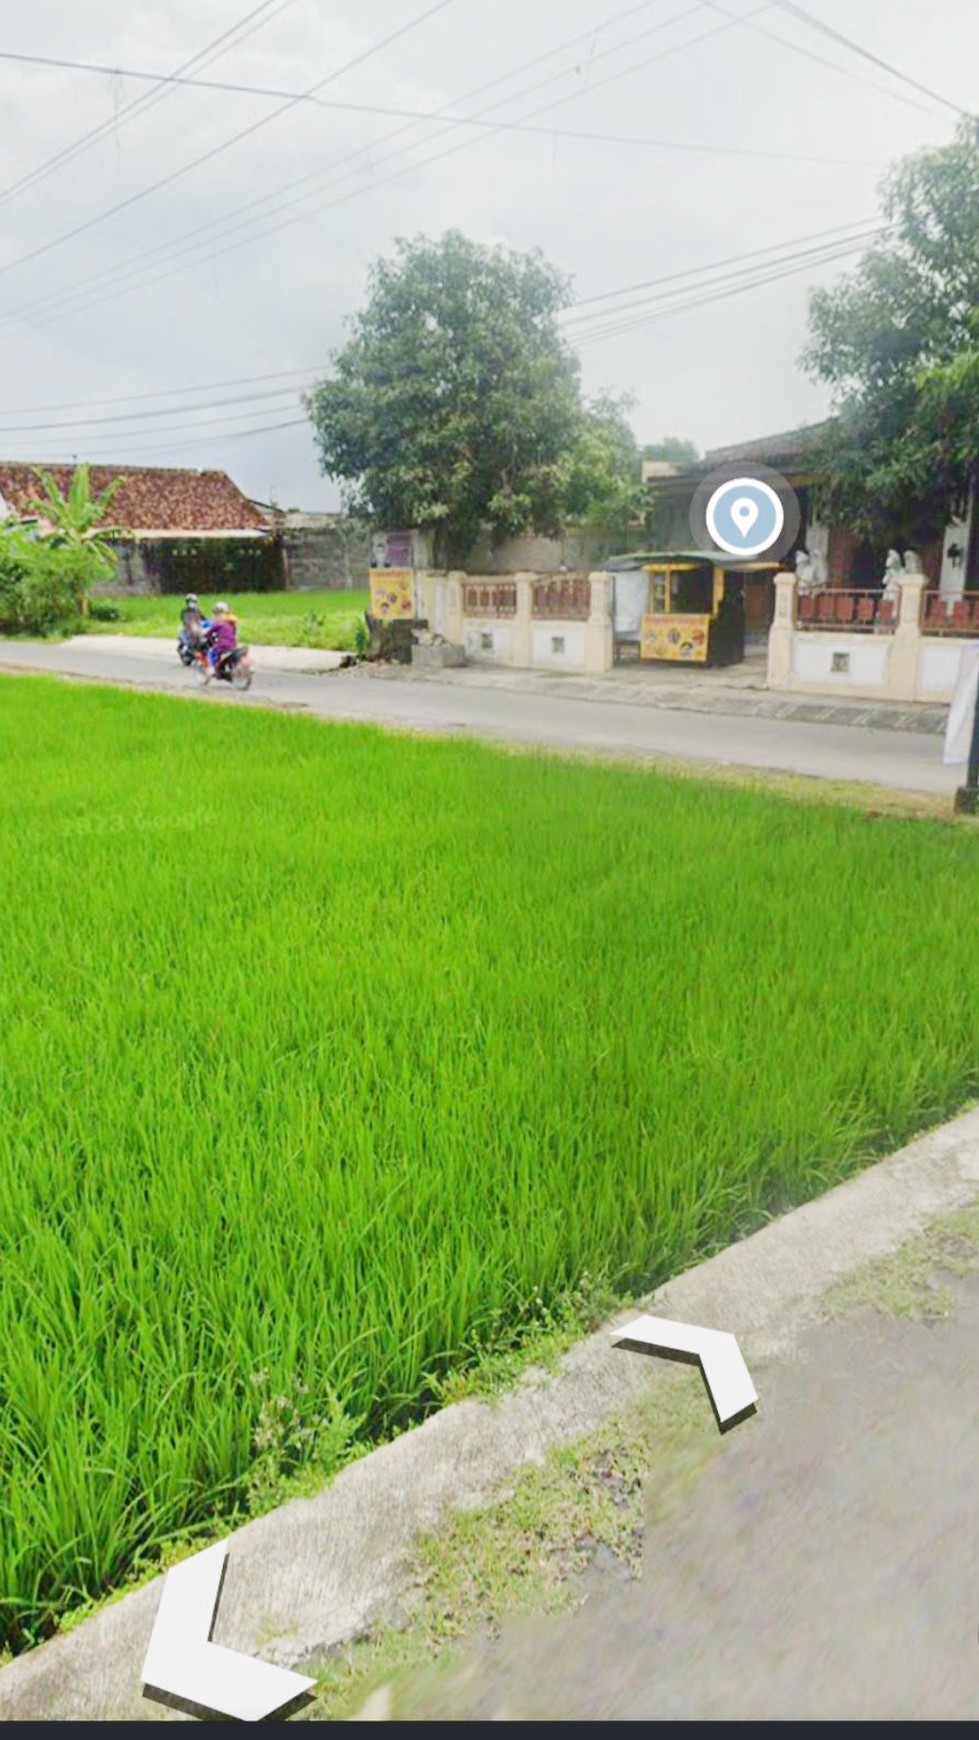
(577, 549)
(520, 639)
(325, 551)
(898, 665)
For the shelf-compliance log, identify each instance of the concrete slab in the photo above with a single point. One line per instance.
(317, 1571)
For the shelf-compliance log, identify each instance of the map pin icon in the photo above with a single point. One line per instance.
(744, 513)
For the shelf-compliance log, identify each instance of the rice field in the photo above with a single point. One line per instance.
(325, 1051)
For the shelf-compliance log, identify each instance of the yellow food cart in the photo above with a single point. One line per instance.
(684, 606)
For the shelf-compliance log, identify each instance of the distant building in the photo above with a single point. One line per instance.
(183, 530)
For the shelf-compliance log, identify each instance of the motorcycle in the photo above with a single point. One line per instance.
(234, 667)
(186, 647)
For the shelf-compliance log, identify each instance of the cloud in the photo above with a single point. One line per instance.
(164, 308)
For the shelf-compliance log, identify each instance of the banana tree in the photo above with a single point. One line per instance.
(76, 521)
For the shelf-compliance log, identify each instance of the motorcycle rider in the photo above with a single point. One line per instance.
(193, 624)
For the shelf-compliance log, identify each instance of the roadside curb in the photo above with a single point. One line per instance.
(318, 1571)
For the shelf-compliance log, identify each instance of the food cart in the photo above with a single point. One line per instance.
(684, 606)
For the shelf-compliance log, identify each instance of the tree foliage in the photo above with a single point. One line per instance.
(672, 450)
(456, 402)
(601, 486)
(898, 342)
(49, 565)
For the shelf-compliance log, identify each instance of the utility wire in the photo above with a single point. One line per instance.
(490, 128)
(240, 32)
(453, 120)
(820, 60)
(217, 150)
(204, 441)
(865, 53)
(136, 416)
(163, 393)
(186, 244)
(761, 279)
(838, 233)
(694, 280)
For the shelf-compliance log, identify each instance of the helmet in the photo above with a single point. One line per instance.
(222, 607)
(191, 598)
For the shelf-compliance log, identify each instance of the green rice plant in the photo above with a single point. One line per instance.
(410, 1034)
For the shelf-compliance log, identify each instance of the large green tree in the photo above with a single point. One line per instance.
(456, 403)
(898, 342)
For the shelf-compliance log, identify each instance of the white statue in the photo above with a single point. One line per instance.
(893, 575)
(804, 572)
(912, 562)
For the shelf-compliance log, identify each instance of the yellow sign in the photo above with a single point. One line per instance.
(683, 638)
(393, 594)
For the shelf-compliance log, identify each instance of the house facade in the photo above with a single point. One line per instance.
(182, 531)
(948, 556)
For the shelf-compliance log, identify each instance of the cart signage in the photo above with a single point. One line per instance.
(683, 638)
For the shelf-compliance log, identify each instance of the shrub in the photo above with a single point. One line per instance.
(43, 585)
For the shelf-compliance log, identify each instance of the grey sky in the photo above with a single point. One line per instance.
(610, 214)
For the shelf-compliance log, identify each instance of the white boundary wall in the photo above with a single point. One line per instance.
(900, 665)
(521, 639)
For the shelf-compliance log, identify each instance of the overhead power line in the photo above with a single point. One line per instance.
(838, 230)
(217, 150)
(820, 60)
(255, 20)
(186, 244)
(733, 284)
(65, 303)
(597, 320)
(454, 120)
(866, 54)
(163, 392)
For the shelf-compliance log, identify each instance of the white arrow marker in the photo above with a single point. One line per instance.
(182, 1662)
(725, 1373)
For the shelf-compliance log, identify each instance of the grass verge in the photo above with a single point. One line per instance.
(530, 1551)
(311, 619)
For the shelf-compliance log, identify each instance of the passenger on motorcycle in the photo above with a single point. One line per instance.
(222, 637)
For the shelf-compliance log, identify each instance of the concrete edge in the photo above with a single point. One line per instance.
(317, 1571)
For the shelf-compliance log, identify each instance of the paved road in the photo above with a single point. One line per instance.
(907, 761)
(826, 1566)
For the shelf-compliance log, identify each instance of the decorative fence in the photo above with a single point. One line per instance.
(866, 612)
(862, 644)
(565, 598)
(950, 615)
(482, 600)
(552, 622)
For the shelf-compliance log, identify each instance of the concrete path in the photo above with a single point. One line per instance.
(617, 723)
(831, 1558)
(824, 1568)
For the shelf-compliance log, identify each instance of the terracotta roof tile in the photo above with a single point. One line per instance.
(152, 499)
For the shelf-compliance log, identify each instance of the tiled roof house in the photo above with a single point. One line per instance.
(154, 501)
